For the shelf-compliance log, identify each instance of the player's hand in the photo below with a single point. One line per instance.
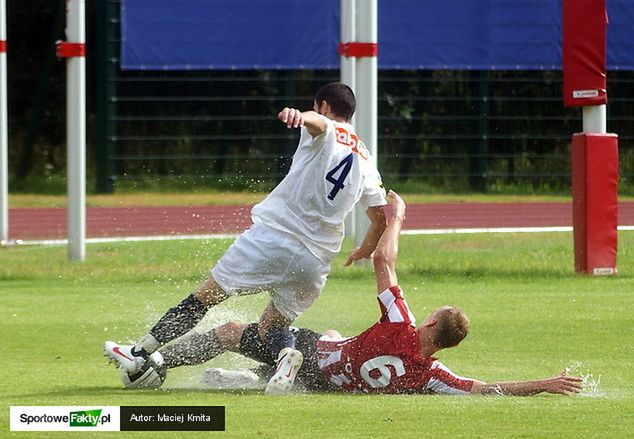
(292, 117)
(356, 255)
(396, 208)
(563, 384)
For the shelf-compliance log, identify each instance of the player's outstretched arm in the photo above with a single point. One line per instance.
(386, 251)
(294, 118)
(561, 384)
(372, 236)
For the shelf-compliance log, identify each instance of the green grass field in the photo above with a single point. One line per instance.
(530, 318)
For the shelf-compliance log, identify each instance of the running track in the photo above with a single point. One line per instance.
(50, 223)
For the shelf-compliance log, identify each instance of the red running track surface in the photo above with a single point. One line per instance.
(50, 223)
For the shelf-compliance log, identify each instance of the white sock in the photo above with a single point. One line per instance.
(148, 343)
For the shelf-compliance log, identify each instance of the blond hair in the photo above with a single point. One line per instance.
(452, 326)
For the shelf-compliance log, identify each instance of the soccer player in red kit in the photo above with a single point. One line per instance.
(392, 356)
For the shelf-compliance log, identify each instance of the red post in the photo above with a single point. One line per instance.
(594, 153)
(584, 43)
(595, 172)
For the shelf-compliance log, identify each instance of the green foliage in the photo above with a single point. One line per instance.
(530, 318)
(51, 184)
(194, 184)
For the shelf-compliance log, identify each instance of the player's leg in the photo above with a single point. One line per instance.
(252, 347)
(176, 322)
(237, 272)
(243, 339)
(190, 350)
(200, 348)
(296, 291)
(280, 343)
(235, 337)
(310, 375)
(182, 318)
(230, 336)
(273, 329)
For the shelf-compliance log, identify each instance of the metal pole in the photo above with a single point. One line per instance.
(106, 21)
(594, 119)
(479, 146)
(348, 31)
(4, 147)
(367, 95)
(76, 132)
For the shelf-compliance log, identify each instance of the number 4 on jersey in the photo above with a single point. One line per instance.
(346, 164)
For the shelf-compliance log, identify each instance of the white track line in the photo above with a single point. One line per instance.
(19, 242)
(120, 239)
(497, 230)
(486, 230)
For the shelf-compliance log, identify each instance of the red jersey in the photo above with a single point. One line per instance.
(386, 357)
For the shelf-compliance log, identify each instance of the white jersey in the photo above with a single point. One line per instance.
(330, 173)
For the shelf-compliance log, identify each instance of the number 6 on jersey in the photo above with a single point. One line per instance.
(346, 163)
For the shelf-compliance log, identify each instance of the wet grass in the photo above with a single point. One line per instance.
(530, 315)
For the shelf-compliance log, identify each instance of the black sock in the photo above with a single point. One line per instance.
(197, 349)
(179, 319)
(251, 346)
(278, 338)
(140, 352)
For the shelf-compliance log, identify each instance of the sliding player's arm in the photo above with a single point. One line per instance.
(293, 118)
(561, 384)
(386, 251)
(444, 382)
(372, 236)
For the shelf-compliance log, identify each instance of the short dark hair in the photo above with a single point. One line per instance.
(340, 97)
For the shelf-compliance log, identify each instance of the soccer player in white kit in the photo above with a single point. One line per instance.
(392, 356)
(298, 230)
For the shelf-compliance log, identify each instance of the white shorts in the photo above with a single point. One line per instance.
(264, 259)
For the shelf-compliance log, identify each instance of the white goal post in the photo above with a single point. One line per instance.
(360, 72)
(4, 147)
(74, 52)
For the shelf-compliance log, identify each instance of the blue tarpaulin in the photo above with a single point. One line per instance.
(413, 34)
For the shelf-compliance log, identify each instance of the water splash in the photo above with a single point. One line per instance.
(497, 390)
(590, 382)
(190, 377)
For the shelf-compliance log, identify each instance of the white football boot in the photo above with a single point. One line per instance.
(289, 361)
(151, 376)
(223, 379)
(122, 355)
